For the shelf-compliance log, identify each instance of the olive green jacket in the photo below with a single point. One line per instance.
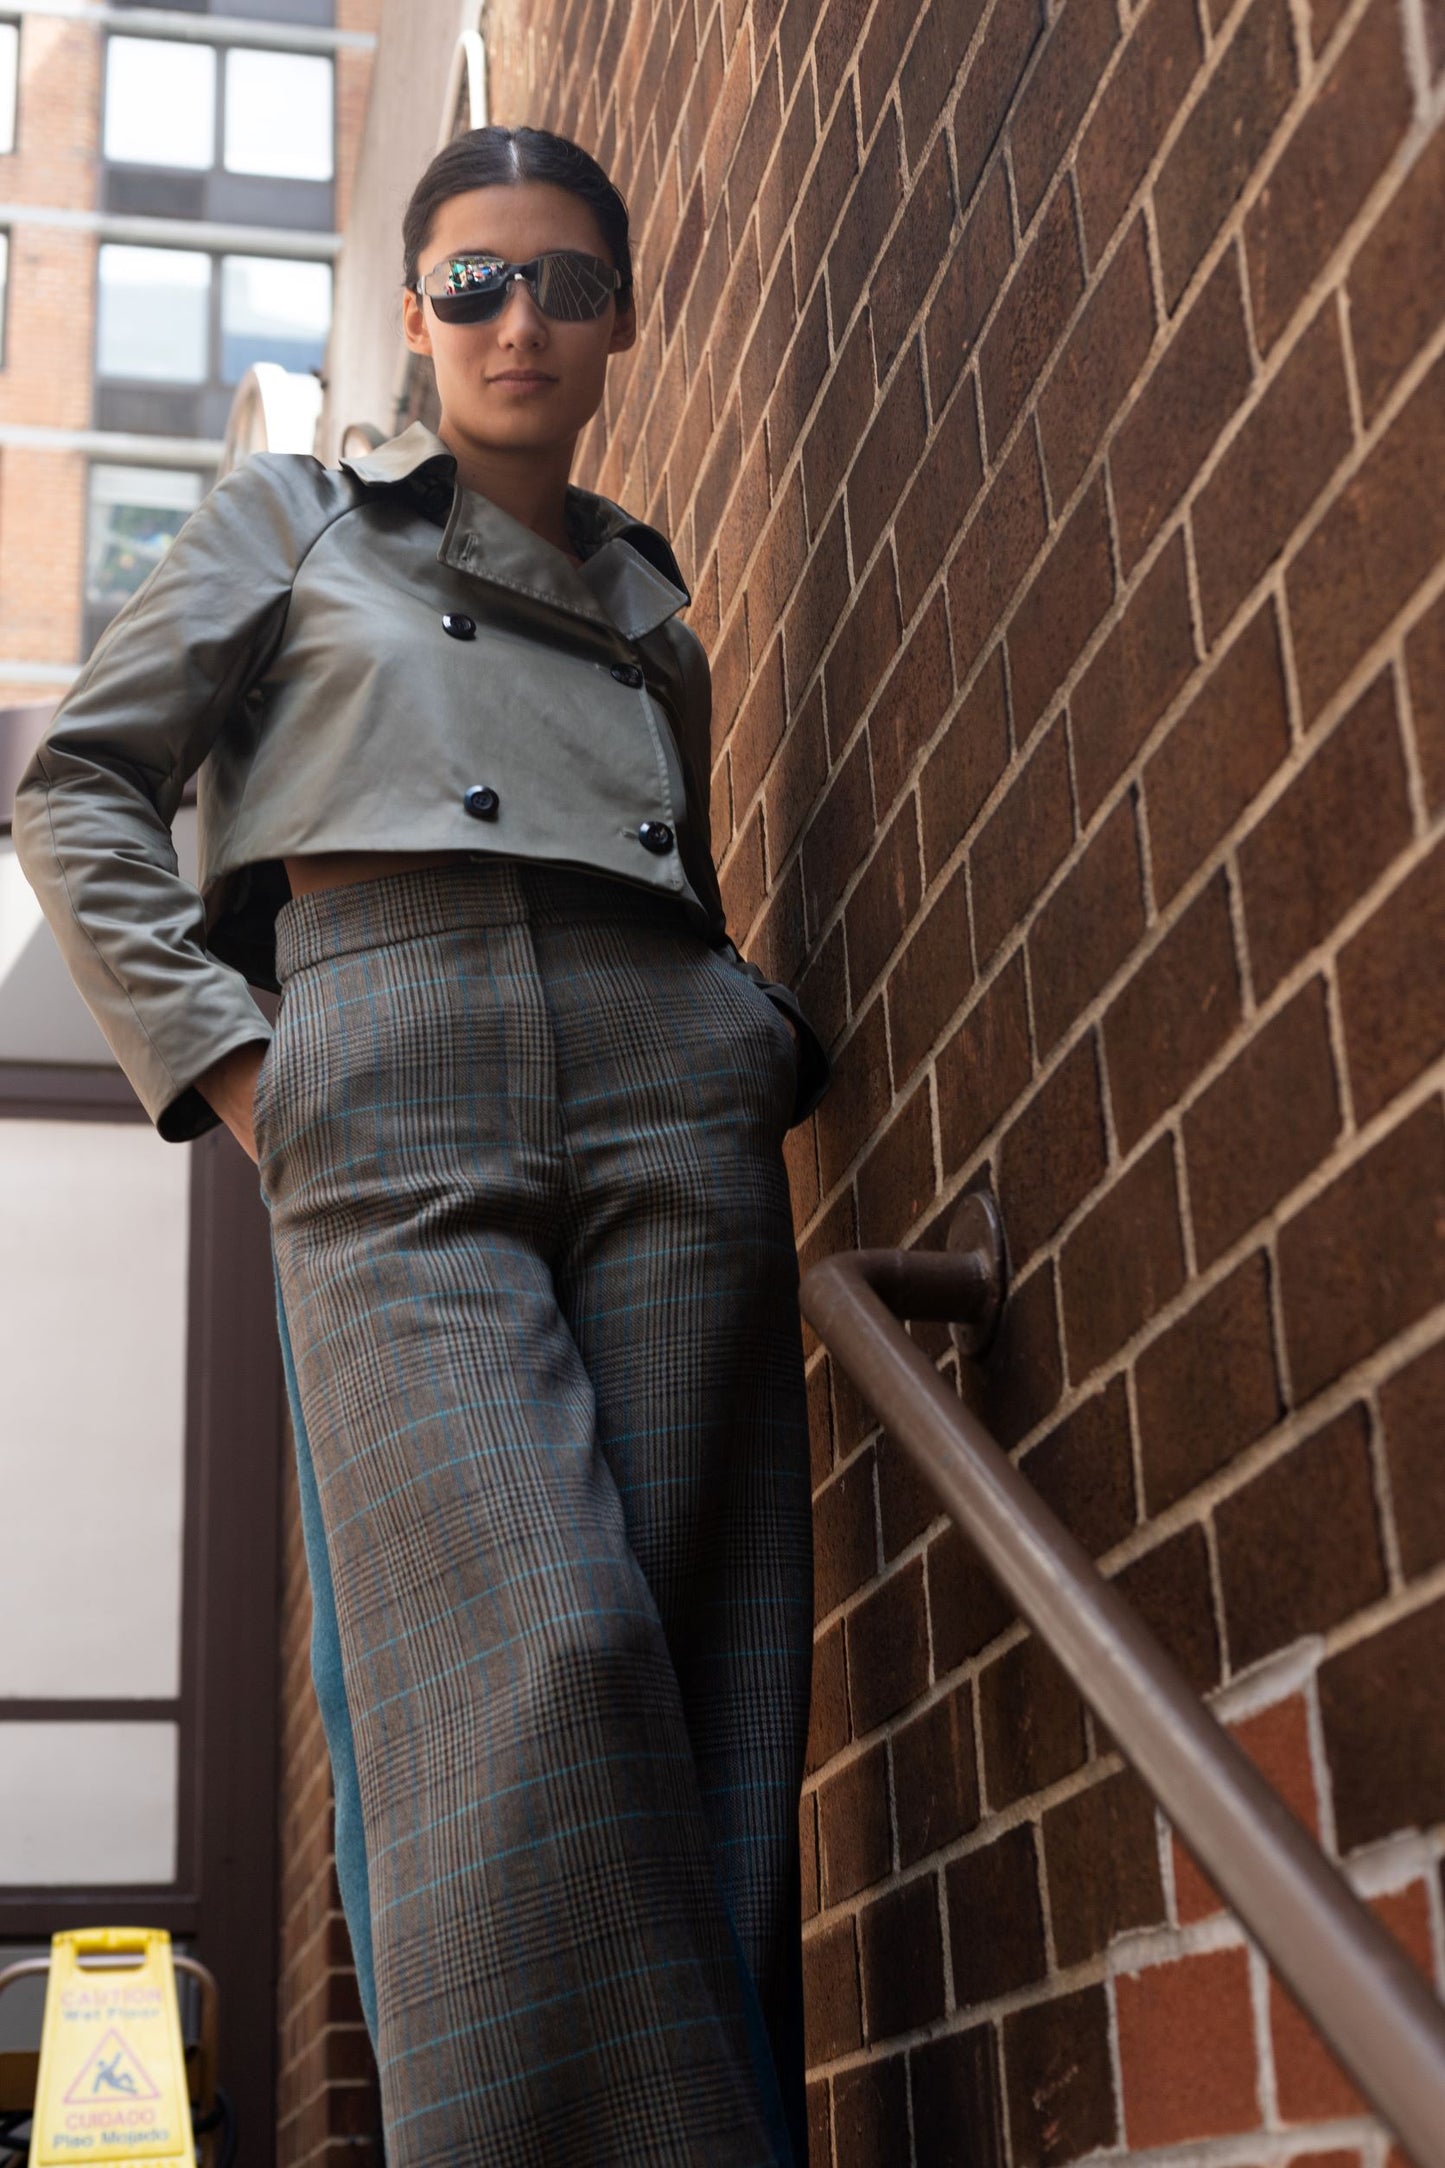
(366, 659)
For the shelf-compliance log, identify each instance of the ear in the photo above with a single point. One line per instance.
(624, 327)
(414, 322)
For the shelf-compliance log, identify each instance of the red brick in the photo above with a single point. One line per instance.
(832, 2014)
(845, 1537)
(1102, 1856)
(1263, 1125)
(1384, 1742)
(1367, 1258)
(1080, 40)
(1133, 678)
(1344, 142)
(887, 1637)
(759, 729)
(1008, 528)
(996, 1923)
(965, 765)
(932, 978)
(896, 1181)
(1273, 471)
(867, 215)
(1397, 281)
(985, 1065)
(907, 1501)
(884, 901)
(804, 367)
(1425, 661)
(912, 703)
(781, 189)
(1331, 835)
(1410, 1407)
(855, 1837)
(796, 778)
(913, 256)
(901, 1950)
(1173, 1015)
(839, 23)
(820, 1425)
(858, 1095)
(1084, 1472)
(1170, 1589)
(935, 1776)
(977, 266)
(1013, 30)
(1223, 140)
(1124, 1262)
(956, 2087)
(843, 415)
(1186, 2049)
(1219, 754)
(1299, 1545)
(1207, 1387)
(945, 31)
(1392, 990)
(823, 598)
(866, 642)
(1056, 618)
(930, 515)
(870, 2102)
(1142, 96)
(1053, 1154)
(1032, 1723)
(1277, 1741)
(1024, 840)
(1035, 308)
(775, 569)
(888, 454)
(1311, 2085)
(1103, 357)
(1060, 2079)
(839, 836)
(1088, 927)
(828, 1719)
(1195, 386)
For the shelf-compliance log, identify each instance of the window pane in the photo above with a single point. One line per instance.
(279, 115)
(59, 1778)
(9, 78)
(93, 1273)
(154, 314)
(273, 310)
(160, 103)
(135, 515)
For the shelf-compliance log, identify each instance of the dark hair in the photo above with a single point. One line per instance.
(486, 157)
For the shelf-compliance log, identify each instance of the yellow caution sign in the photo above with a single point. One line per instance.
(112, 2082)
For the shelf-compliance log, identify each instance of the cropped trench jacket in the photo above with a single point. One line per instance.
(374, 658)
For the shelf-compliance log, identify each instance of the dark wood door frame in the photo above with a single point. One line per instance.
(224, 1899)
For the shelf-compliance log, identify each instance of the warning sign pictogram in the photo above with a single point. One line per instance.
(112, 2080)
(114, 2070)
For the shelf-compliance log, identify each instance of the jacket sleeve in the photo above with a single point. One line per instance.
(815, 1069)
(94, 808)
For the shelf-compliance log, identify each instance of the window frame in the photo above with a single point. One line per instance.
(8, 150)
(218, 169)
(215, 378)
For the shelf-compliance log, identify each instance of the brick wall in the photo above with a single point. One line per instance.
(327, 2107)
(1049, 411)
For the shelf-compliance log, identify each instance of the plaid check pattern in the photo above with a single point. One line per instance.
(519, 1134)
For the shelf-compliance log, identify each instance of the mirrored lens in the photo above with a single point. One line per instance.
(566, 285)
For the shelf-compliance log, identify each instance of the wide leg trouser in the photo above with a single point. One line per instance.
(519, 1137)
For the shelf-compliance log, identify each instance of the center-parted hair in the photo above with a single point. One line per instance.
(500, 157)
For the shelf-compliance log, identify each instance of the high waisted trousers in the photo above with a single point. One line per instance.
(520, 1141)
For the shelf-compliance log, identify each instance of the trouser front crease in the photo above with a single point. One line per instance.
(520, 1141)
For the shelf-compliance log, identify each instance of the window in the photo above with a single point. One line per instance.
(273, 310)
(160, 103)
(154, 314)
(279, 115)
(135, 515)
(9, 82)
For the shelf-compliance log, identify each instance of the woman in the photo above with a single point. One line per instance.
(519, 1133)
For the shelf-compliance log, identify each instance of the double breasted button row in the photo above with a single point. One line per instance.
(482, 802)
(657, 837)
(459, 625)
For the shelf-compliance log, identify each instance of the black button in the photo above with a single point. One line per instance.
(481, 801)
(655, 836)
(627, 673)
(459, 625)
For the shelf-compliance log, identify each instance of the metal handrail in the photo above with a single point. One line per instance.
(1373, 2008)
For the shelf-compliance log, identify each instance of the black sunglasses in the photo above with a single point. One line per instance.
(566, 285)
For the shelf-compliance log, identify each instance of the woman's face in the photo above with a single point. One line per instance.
(521, 380)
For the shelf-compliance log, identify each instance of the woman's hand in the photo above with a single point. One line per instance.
(229, 1085)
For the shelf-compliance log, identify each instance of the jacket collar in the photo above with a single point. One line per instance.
(629, 580)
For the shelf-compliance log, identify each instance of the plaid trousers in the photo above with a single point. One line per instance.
(520, 1137)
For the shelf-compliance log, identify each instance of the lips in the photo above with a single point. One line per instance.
(523, 377)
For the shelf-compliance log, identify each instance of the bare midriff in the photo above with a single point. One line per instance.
(339, 869)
